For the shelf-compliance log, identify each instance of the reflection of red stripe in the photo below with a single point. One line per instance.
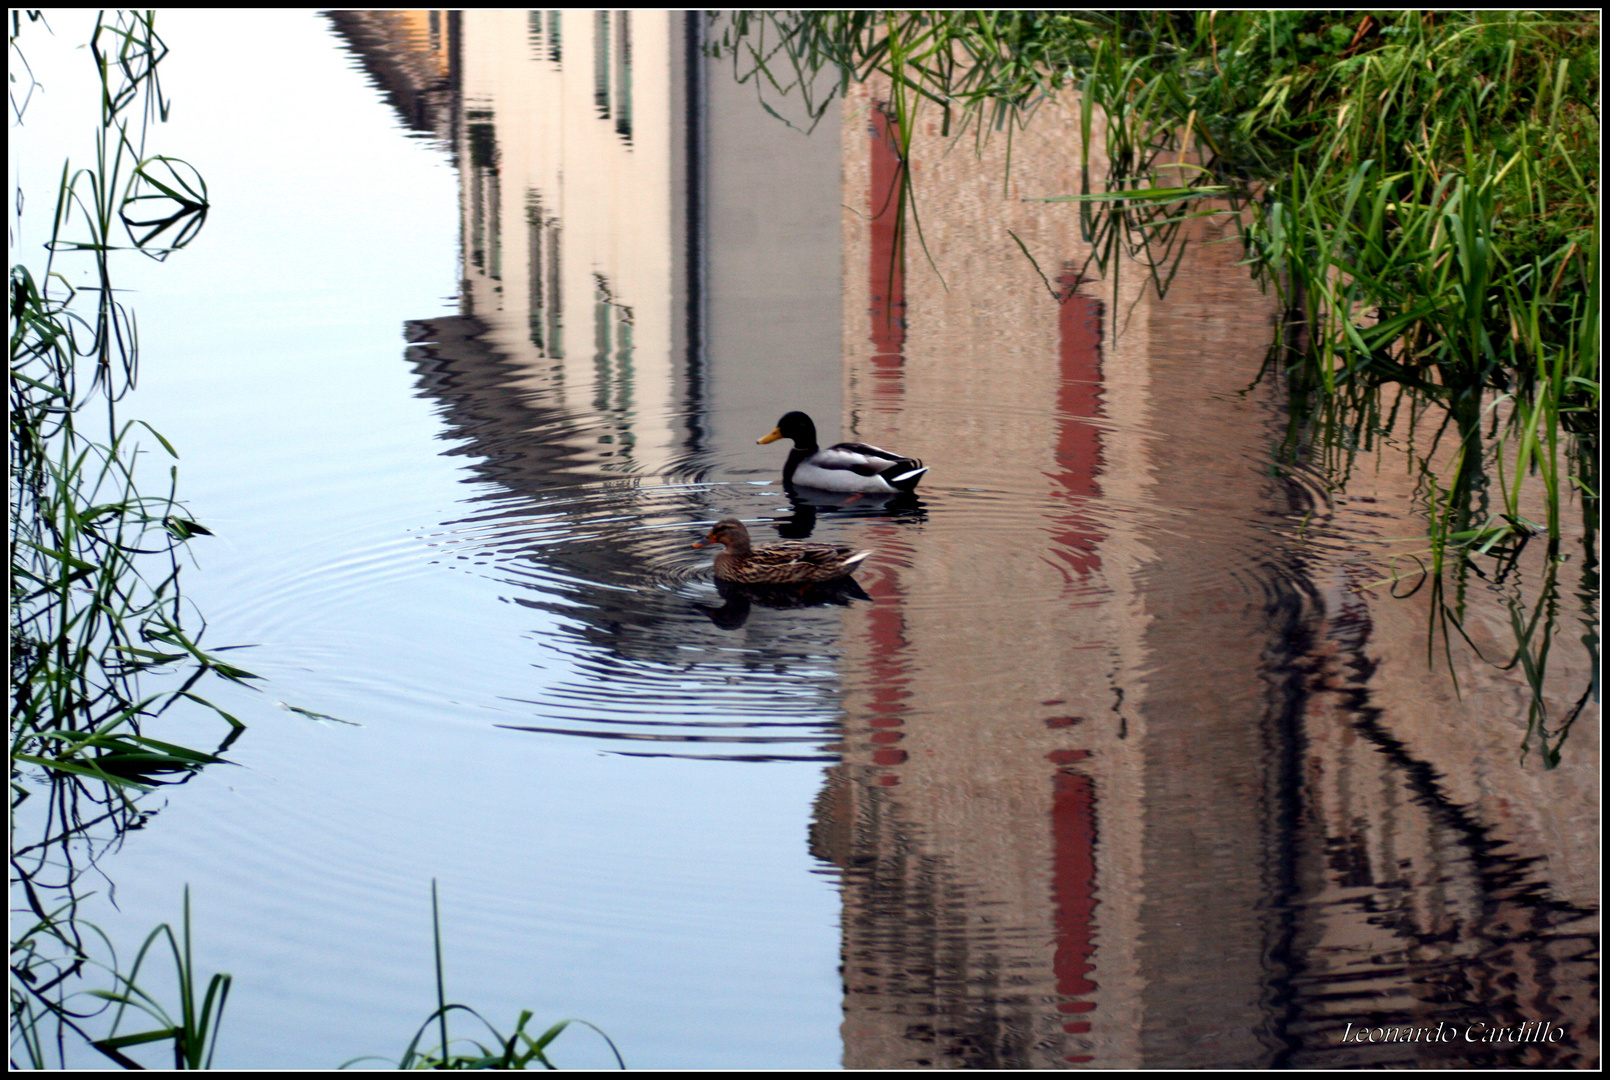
(887, 676)
(1078, 452)
(886, 291)
(1076, 540)
(888, 279)
(1073, 888)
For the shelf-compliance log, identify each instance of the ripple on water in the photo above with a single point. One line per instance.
(640, 656)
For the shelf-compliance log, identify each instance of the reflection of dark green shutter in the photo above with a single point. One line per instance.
(474, 133)
(547, 308)
(601, 63)
(626, 378)
(533, 33)
(538, 311)
(483, 146)
(556, 300)
(614, 373)
(623, 77)
(602, 325)
(486, 248)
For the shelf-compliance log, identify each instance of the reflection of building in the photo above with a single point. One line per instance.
(569, 166)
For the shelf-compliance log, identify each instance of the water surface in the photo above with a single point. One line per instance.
(1122, 759)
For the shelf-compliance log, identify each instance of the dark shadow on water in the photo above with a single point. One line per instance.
(741, 599)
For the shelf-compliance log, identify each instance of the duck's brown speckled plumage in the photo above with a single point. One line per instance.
(789, 563)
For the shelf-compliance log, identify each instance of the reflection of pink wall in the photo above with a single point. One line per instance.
(965, 732)
(1006, 627)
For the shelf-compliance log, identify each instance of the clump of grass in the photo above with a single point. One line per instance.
(194, 1034)
(518, 1050)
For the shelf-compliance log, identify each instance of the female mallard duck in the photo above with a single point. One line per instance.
(847, 466)
(791, 563)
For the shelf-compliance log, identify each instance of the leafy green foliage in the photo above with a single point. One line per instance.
(95, 561)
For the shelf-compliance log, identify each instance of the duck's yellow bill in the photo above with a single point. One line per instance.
(776, 433)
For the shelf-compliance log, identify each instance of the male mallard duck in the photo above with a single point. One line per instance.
(791, 563)
(846, 466)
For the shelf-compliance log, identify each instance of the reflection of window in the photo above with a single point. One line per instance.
(623, 76)
(547, 306)
(536, 34)
(613, 372)
(601, 63)
(486, 250)
(612, 69)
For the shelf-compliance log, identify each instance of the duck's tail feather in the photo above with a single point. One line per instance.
(910, 472)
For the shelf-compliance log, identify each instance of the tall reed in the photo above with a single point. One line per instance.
(517, 1050)
(95, 556)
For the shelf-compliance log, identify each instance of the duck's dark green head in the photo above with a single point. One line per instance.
(796, 426)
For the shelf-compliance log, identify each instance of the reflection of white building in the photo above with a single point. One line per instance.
(636, 232)
(568, 222)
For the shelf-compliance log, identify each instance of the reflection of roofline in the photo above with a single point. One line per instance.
(414, 82)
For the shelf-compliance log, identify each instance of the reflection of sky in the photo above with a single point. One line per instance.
(671, 902)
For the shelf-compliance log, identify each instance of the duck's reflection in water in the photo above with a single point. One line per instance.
(738, 600)
(809, 502)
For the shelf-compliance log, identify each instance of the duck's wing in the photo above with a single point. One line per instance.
(859, 458)
(811, 554)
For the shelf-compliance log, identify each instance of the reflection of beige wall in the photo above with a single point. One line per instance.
(610, 199)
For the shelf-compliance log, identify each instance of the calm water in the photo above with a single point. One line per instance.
(1121, 757)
